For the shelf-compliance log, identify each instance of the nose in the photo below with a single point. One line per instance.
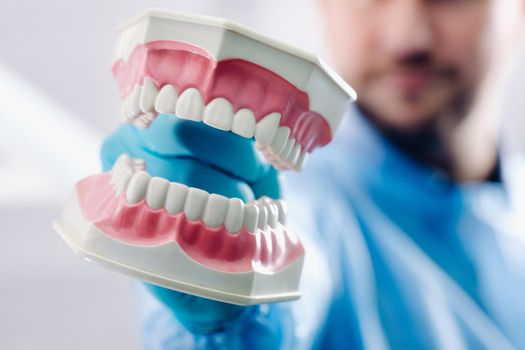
(406, 28)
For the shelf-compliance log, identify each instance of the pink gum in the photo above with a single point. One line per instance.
(243, 83)
(266, 251)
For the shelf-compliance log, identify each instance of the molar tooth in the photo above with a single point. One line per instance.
(303, 158)
(266, 128)
(234, 216)
(148, 95)
(219, 114)
(195, 203)
(294, 155)
(166, 100)
(263, 217)
(215, 212)
(138, 186)
(280, 139)
(244, 123)
(251, 217)
(282, 209)
(175, 197)
(156, 193)
(123, 181)
(287, 149)
(190, 105)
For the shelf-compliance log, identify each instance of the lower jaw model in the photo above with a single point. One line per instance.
(189, 200)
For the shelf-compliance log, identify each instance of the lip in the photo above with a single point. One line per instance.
(412, 81)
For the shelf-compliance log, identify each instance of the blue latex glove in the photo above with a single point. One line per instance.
(218, 162)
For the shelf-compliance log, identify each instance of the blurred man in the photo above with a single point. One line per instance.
(410, 223)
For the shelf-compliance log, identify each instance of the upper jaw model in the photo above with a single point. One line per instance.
(187, 202)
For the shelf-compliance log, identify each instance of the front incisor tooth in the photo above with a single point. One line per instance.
(195, 203)
(219, 114)
(175, 198)
(251, 217)
(156, 194)
(148, 96)
(190, 105)
(137, 187)
(244, 123)
(234, 216)
(215, 212)
(266, 128)
(280, 139)
(166, 100)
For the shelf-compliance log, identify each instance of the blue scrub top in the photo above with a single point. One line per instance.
(397, 256)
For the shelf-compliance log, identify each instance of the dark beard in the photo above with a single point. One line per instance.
(428, 144)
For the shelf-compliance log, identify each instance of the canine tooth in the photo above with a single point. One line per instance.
(175, 197)
(294, 155)
(166, 100)
(190, 105)
(219, 114)
(138, 186)
(287, 149)
(195, 203)
(123, 181)
(282, 209)
(303, 158)
(251, 217)
(266, 128)
(234, 216)
(215, 211)
(244, 123)
(280, 139)
(148, 95)
(156, 193)
(263, 217)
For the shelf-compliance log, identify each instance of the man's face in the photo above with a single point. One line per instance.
(411, 61)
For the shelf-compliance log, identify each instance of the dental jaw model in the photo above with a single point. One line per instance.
(190, 199)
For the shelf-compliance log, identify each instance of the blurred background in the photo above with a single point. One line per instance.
(57, 102)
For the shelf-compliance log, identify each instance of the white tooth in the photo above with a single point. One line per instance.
(234, 216)
(280, 139)
(244, 123)
(287, 149)
(282, 209)
(215, 212)
(148, 95)
(138, 164)
(190, 105)
(195, 203)
(140, 123)
(126, 108)
(156, 194)
(303, 158)
(138, 186)
(266, 128)
(219, 114)
(271, 208)
(133, 106)
(123, 181)
(263, 217)
(176, 197)
(251, 217)
(294, 155)
(166, 100)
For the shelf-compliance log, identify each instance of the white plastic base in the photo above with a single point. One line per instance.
(168, 266)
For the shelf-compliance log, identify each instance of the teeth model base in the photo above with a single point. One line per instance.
(184, 238)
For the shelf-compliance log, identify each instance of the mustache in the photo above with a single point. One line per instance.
(424, 61)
